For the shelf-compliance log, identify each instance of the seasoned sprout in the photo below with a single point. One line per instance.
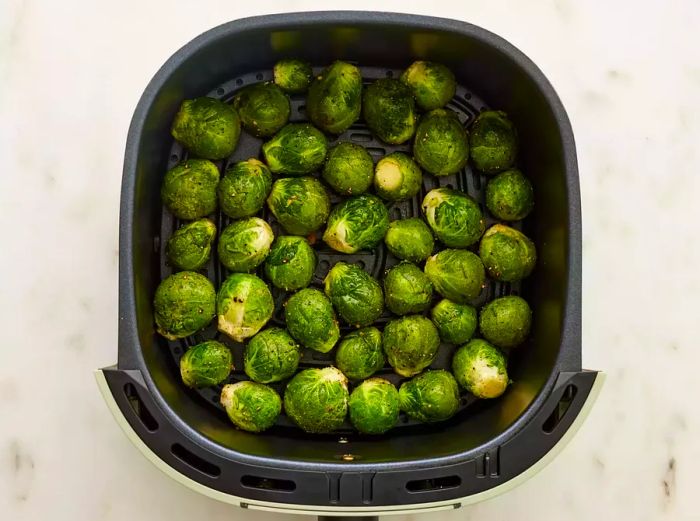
(493, 141)
(271, 356)
(456, 274)
(411, 344)
(189, 189)
(407, 289)
(508, 255)
(183, 304)
(251, 406)
(481, 369)
(244, 244)
(433, 84)
(334, 98)
(441, 146)
(317, 399)
(390, 110)
(207, 127)
(349, 169)
(291, 263)
(454, 217)
(374, 406)
(358, 223)
(263, 108)
(293, 76)
(359, 354)
(505, 321)
(301, 205)
(355, 295)
(244, 188)
(206, 364)
(244, 305)
(509, 195)
(298, 149)
(409, 239)
(455, 322)
(430, 397)
(311, 320)
(397, 177)
(190, 246)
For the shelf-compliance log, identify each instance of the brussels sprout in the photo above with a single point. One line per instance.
(183, 304)
(349, 169)
(374, 406)
(190, 246)
(298, 149)
(409, 239)
(493, 142)
(333, 102)
(244, 188)
(206, 364)
(311, 320)
(430, 397)
(397, 177)
(271, 356)
(244, 305)
(481, 369)
(456, 274)
(455, 322)
(293, 76)
(317, 399)
(189, 189)
(263, 108)
(207, 127)
(454, 217)
(407, 289)
(509, 195)
(291, 263)
(251, 406)
(301, 205)
(357, 223)
(390, 110)
(507, 254)
(359, 354)
(244, 244)
(505, 321)
(411, 344)
(433, 84)
(441, 146)
(355, 295)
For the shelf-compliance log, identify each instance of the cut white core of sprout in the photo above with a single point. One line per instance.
(389, 175)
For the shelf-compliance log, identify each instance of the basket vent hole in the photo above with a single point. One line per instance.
(220, 91)
(361, 264)
(239, 82)
(259, 76)
(432, 484)
(194, 461)
(360, 137)
(389, 74)
(139, 408)
(560, 409)
(271, 484)
(301, 109)
(174, 158)
(468, 95)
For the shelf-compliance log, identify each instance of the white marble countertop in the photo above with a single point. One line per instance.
(71, 73)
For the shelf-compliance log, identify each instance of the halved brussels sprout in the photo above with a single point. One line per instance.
(206, 364)
(263, 108)
(301, 205)
(507, 254)
(293, 76)
(251, 406)
(357, 223)
(409, 239)
(481, 369)
(298, 149)
(334, 98)
(505, 321)
(317, 399)
(411, 344)
(374, 406)
(349, 169)
(493, 141)
(207, 127)
(390, 110)
(441, 145)
(244, 188)
(355, 295)
(291, 263)
(244, 305)
(407, 289)
(271, 356)
(454, 217)
(455, 322)
(430, 397)
(190, 246)
(509, 195)
(359, 354)
(456, 274)
(433, 84)
(244, 244)
(183, 304)
(189, 189)
(397, 177)
(311, 320)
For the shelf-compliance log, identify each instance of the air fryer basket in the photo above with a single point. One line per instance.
(489, 444)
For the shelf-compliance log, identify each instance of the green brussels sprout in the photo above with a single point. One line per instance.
(292, 76)
(334, 98)
(441, 145)
(349, 169)
(298, 149)
(355, 295)
(263, 108)
(507, 254)
(189, 189)
(493, 141)
(455, 322)
(390, 110)
(359, 354)
(244, 305)
(311, 321)
(409, 239)
(430, 397)
(358, 223)
(183, 304)
(317, 399)
(433, 84)
(251, 406)
(244, 244)
(505, 321)
(481, 369)
(301, 205)
(509, 195)
(207, 127)
(456, 274)
(397, 177)
(374, 406)
(206, 364)
(190, 246)
(407, 289)
(411, 344)
(244, 188)
(291, 263)
(271, 356)
(454, 217)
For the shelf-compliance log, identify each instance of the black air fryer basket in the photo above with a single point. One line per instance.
(489, 446)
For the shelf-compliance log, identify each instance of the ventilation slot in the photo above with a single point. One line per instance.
(560, 409)
(139, 408)
(432, 484)
(195, 461)
(274, 485)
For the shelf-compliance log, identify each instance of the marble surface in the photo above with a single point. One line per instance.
(71, 73)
